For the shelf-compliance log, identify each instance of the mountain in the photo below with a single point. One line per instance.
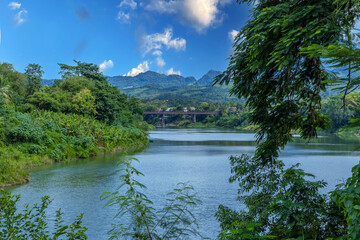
(150, 77)
(143, 79)
(207, 79)
(183, 93)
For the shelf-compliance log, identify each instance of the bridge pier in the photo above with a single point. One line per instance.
(194, 118)
(163, 121)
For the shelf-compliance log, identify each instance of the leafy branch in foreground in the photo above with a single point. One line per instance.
(347, 197)
(32, 222)
(279, 66)
(281, 204)
(174, 221)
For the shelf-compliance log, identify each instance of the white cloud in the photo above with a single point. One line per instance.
(141, 68)
(200, 14)
(233, 34)
(123, 17)
(19, 17)
(159, 40)
(128, 3)
(157, 53)
(160, 62)
(172, 72)
(163, 6)
(106, 65)
(14, 5)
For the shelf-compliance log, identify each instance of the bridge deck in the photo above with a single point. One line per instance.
(179, 113)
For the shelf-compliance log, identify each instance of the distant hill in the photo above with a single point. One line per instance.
(148, 78)
(190, 92)
(151, 85)
(143, 79)
(208, 78)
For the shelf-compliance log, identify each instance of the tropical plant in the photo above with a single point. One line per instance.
(32, 223)
(174, 221)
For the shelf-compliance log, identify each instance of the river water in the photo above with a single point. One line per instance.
(198, 156)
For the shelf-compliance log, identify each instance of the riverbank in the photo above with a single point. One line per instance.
(43, 138)
(21, 175)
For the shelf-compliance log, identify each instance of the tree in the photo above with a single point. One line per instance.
(283, 89)
(34, 74)
(13, 84)
(81, 69)
(4, 89)
(84, 102)
(112, 106)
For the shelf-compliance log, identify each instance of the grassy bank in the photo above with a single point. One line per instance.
(43, 137)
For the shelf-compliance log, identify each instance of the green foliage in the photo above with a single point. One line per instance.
(84, 90)
(28, 138)
(278, 67)
(44, 100)
(150, 78)
(231, 114)
(12, 84)
(347, 197)
(282, 86)
(339, 113)
(32, 222)
(174, 221)
(84, 102)
(185, 94)
(39, 125)
(34, 73)
(281, 202)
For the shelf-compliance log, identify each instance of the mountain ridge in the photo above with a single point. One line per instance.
(154, 78)
(150, 77)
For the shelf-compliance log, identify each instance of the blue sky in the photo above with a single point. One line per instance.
(124, 37)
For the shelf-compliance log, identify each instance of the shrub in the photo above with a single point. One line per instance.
(32, 223)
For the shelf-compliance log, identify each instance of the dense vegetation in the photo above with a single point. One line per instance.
(79, 116)
(230, 115)
(183, 93)
(278, 66)
(237, 114)
(150, 77)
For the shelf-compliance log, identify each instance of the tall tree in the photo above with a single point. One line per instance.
(4, 89)
(34, 74)
(112, 106)
(283, 89)
(14, 81)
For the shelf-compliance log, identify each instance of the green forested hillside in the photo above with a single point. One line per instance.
(196, 93)
(143, 79)
(78, 116)
(208, 78)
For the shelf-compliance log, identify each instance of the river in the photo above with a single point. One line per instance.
(198, 156)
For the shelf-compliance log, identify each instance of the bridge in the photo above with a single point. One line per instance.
(192, 114)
